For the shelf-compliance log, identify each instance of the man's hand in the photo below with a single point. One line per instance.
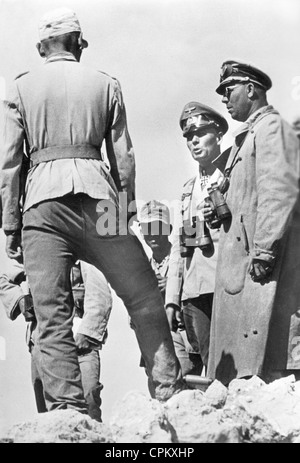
(14, 246)
(84, 344)
(207, 211)
(260, 270)
(162, 281)
(174, 316)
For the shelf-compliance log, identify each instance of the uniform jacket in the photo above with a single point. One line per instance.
(64, 106)
(12, 281)
(255, 326)
(189, 277)
(13, 288)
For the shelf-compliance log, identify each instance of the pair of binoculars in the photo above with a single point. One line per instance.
(195, 235)
(218, 206)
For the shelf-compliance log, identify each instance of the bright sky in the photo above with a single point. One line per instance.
(165, 53)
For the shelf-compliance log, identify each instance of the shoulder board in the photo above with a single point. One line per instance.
(22, 74)
(116, 82)
(108, 75)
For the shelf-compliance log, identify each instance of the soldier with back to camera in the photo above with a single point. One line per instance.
(63, 111)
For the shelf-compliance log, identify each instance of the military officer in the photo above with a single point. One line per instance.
(191, 278)
(255, 325)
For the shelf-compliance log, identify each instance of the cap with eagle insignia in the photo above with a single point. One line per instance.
(196, 116)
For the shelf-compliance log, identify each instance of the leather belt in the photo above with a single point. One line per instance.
(65, 152)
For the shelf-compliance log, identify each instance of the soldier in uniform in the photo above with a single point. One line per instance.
(63, 111)
(255, 324)
(156, 228)
(92, 307)
(191, 278)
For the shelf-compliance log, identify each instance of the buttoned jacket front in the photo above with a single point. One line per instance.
(190, 277)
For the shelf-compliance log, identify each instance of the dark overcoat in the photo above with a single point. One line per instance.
(256, 326)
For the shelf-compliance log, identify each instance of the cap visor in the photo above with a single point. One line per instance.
(220, 89)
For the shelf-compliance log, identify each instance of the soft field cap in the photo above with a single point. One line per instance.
(154, 211)
(58, 22)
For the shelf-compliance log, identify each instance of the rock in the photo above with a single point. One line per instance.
(248, 411)
(267, 412)
(60, 426)
(254, 426)
(243, 386)
(279, 403)
(139, 419)
(216, 394)
(195, 421)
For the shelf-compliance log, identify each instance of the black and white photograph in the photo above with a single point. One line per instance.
(149, 224)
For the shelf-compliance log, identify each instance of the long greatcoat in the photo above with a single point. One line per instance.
(256, 326)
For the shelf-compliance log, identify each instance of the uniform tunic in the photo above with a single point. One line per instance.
(56, 119)
(190, 277)
(191, 280)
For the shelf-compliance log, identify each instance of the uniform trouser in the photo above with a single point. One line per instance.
(90, 373)
(197, 317)
(58, 232)
(190, 362)
(37, 381)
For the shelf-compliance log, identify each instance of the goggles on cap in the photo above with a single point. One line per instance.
(196, 122)
(231, 73)
(227, 70)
